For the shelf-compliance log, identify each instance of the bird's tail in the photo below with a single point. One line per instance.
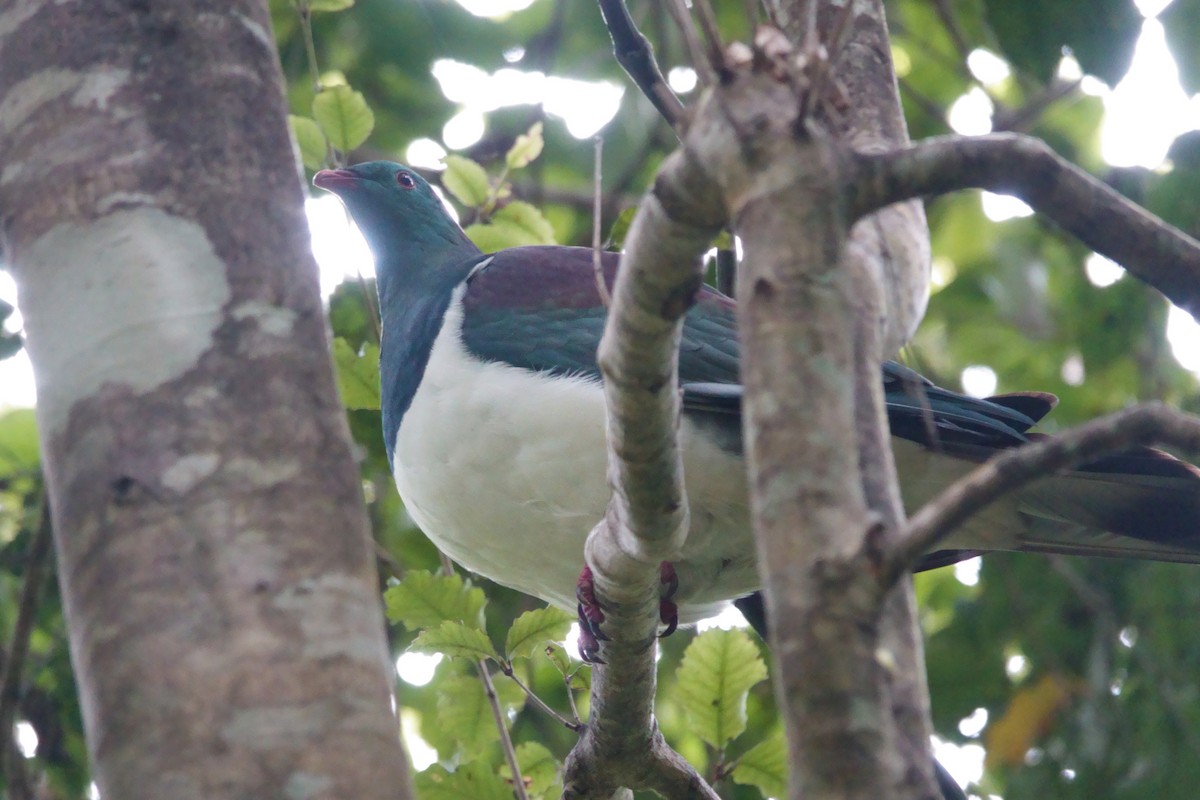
(1141, 504)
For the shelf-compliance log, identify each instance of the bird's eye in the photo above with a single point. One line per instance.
(405, 179)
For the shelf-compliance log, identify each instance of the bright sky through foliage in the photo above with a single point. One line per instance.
(585, 106)
(495, 9)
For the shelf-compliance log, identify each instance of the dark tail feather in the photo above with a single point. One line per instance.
(755, 612)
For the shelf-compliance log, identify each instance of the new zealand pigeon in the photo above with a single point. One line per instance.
(493, 417)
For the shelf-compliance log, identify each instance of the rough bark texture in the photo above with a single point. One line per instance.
(647, 519)
(213, 550)
(851, 671)
(1159, 254)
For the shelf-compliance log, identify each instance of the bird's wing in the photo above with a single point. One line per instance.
(539, 308)
(1141, 503)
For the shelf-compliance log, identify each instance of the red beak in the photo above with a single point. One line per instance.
(334, 179)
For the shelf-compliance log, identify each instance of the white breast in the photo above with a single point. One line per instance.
(504, 469)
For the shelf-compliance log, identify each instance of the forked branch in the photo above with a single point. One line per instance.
(635, 54)
(1151, 424)
(647, 518)
(1154, 251)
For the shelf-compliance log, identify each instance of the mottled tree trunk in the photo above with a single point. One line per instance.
(818, 315)
(213, 551)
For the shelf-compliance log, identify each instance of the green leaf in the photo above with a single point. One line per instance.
(559, 658)
(474, 781)
(620, 229)
(349, 314)
(764, 766)
(526, 148)
(539, 768)
(466, 180)
(358, 374)
(492, 238)
(18, 442)
(455, 640)
(309, 139)
(716, 674)
(425, 600)
(528, 219)
(523, 226)
(317, 6)
(534, 628)
(580, 678)
(463, 710)
(344, 116)
(1033, 35)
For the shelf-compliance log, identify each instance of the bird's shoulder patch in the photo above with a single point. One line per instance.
(538, 277)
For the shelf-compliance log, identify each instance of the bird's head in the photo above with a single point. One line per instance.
(403, 220)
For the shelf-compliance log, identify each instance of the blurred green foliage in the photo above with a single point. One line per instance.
(1087, 670)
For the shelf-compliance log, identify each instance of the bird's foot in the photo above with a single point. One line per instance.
(590, 618)
(591, 615)
(668, 612)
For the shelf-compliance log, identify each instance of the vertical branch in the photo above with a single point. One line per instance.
(213, 548)
(647, 518)
(887, 259)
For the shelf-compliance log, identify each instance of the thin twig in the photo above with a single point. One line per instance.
(11, 759)
(945, 12)
(1027, 115)
(597, 202)
(510, 754)
(489, 689)
(31, 592)
(304, 10)
(571, 693)
(1140, 425)
(573, 725)
(712, 35)
(752, 11)
(683, 20)
(930, 107)
(811, 39)
(310, 48)
(636, 56)
(822, 58)
(1113, 226)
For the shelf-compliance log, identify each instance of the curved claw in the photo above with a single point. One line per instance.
(668, 612)
(590, 617)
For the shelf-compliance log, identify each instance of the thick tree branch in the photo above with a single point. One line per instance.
(647, 519)
(1157, 253)
(1150, 424)
(212, 547)
(635, 54)
(886, 264)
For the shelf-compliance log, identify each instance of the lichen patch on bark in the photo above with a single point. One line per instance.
(98, 326)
